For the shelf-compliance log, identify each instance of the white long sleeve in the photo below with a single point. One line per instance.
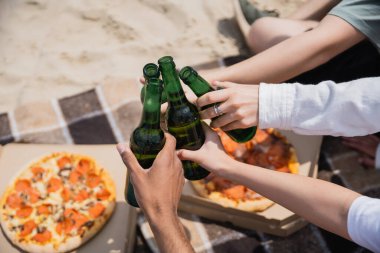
(344, 109)
(363, 222)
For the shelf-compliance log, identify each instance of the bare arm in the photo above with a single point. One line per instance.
(314, 9)
(293, 56)
(169, 233)
(322, 203)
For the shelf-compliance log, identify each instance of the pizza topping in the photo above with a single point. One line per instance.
(64, 162)
(93, 180)
(222, 183)
(64, 226)
(84, 166)
(24, 211)
(43, 236)
(38, 173)
(14, 201)
(236, 192)
(54, 184)
(89, 224)
(252, 195)
(27, 228)
(65, 172)
(22, 185)
(262, 137)
(33, 195)
(75, 177)
(96, 210)
(103, 194)
(66, 194)
(41, 188)
(44, 209)
(79, 220)
(69, 212)
(283, 169)
(82, 195)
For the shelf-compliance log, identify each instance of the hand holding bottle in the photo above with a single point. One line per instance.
(211, 155)
(164, 179)
(239, 105)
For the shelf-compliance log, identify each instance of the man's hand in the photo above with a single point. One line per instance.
(238, 103)
(159, 188)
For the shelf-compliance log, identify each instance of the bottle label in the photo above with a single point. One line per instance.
(188, 136)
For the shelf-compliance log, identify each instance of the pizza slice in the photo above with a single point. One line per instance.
(268, 149)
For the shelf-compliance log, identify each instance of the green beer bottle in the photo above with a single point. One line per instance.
(200, 87)
(182, 118)
(151, 70)
(147, 139)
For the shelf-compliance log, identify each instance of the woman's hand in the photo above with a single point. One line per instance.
(159, 188)
(211, 155)
(238, 104)
(366, 145)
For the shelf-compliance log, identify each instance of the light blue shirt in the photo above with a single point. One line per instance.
(364, 15)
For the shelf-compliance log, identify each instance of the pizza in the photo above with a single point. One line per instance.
(268, 149)
(57, 203)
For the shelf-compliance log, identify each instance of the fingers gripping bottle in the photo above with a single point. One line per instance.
(147, 139)
(182, 118)
(200, 87)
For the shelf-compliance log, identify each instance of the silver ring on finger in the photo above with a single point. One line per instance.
(217, 110)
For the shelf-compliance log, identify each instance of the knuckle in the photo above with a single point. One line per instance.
(245, 122)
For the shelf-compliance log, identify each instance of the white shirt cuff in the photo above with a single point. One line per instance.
(377, 158)
(363, 222)
(276, 102)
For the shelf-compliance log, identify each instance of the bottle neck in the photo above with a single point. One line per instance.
(152, 107)
(196, 83)
(173, 89)
(150, 70)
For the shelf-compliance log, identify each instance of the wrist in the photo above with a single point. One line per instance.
(163, 221)
(227, 166)
(159, 213)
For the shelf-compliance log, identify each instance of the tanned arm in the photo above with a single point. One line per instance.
(314, 9)
(169, 233)
(158, 190)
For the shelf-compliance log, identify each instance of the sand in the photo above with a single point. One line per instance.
(58, 48)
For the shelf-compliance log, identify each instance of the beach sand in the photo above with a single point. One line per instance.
(58, 48)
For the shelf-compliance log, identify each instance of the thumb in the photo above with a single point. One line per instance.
(128, 158)
(210, 134)
(184, 154)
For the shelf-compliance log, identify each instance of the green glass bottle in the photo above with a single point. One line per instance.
(200, 87)
(182, 118)
(151, 70)
(147, 139)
